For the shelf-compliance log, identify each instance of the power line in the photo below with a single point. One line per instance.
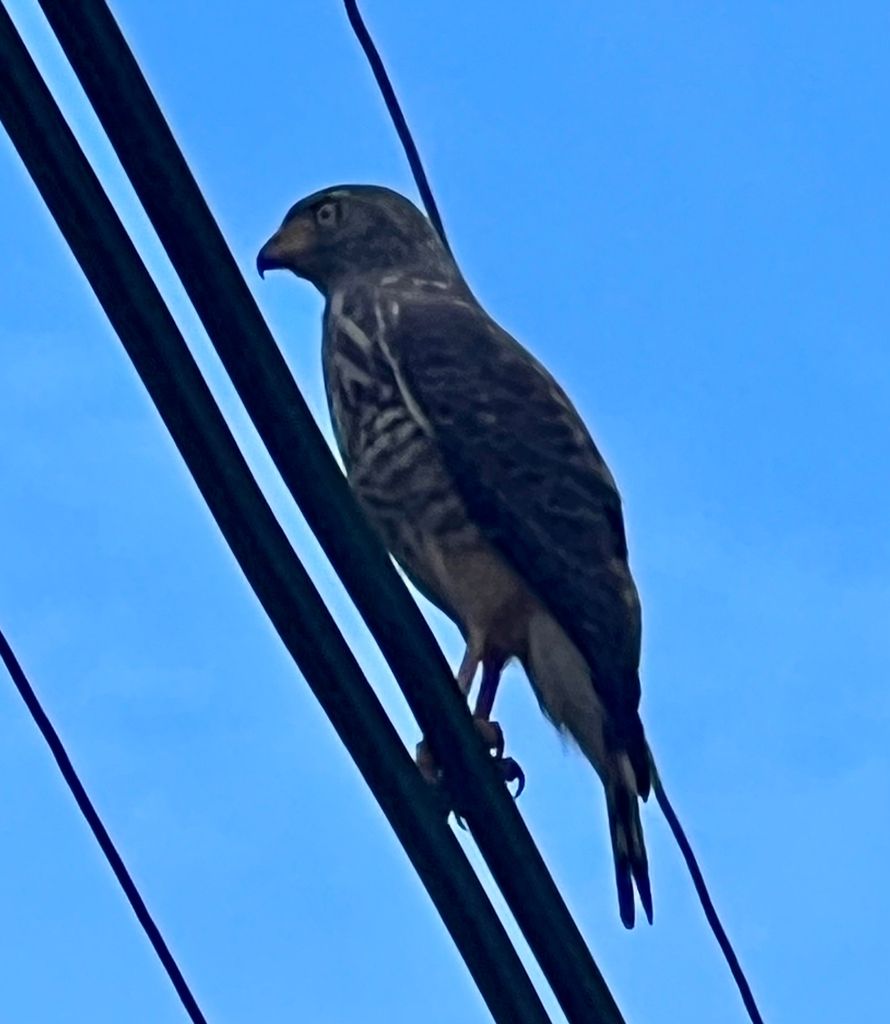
(153, 342)
(704, 897)
(145, 146)
(398, 118)
(89, 811)
(420, 179)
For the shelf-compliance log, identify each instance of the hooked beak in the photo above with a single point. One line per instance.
(286, 246)
(269, 257)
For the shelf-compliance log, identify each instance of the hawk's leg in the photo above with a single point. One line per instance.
(490, 731)
(467, 671)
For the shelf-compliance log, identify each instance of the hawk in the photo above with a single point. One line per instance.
(482, 481)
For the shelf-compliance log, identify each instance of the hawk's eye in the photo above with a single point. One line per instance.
(326, 214)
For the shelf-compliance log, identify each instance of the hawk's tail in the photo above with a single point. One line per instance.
(628, 848)
(562, 683)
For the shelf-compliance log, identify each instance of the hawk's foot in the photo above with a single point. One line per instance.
(512, 773)
(493, 736)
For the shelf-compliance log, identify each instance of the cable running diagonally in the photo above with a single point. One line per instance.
(398, 118)
(420, 179)
(704, 896)
(98, 829)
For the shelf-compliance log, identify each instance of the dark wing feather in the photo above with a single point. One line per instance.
(533, 481)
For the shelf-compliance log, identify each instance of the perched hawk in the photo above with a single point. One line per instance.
(482, 481)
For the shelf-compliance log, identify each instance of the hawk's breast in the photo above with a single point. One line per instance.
(390, 455)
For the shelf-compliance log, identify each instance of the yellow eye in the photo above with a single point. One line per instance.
(326, 214)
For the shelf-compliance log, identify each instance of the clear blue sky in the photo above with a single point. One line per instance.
(684, 212)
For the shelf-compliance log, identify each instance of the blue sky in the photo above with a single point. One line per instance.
(684, 213)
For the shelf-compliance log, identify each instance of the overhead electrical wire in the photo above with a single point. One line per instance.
(398, 118)
(89, 812)
(179, 214)
(704, 896)
(420, 179)
(159, 353)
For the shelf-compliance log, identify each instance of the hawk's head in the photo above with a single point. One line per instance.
(353, 229)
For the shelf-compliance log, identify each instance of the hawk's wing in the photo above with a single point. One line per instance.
(532, 480)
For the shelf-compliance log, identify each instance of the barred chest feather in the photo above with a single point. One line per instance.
(387, 446)
(397, 475)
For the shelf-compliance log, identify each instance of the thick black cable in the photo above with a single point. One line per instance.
(159, 353)
(704, 897)
(398, 118)
(148, 152)
(99, 831)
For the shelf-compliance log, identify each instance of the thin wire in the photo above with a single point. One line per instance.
(99, 831)
(398, 118)
(404, 132)
(703, 895)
